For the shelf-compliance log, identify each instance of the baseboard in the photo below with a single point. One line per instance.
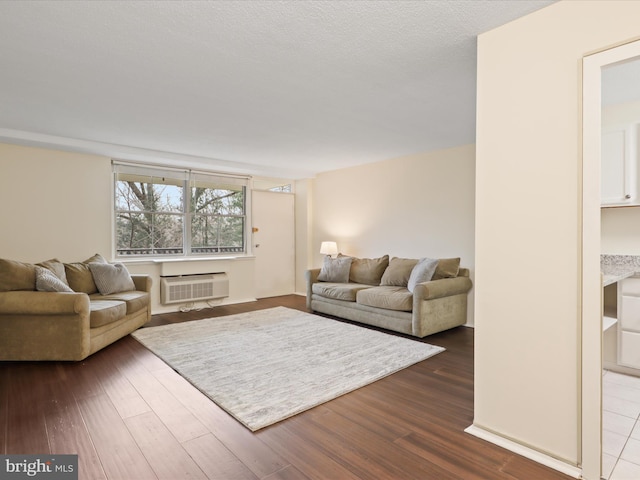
(614, 367)
(525, 451)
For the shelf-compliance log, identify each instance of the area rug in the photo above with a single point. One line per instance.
(267, 365)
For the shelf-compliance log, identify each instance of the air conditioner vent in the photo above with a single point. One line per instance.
(191, 288)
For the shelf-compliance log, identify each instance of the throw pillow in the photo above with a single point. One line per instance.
(111, 278)
(57, 267)
(79, 276)
(398, 272)
(47, 281)
(422, 272)
(368, 271)
(447, 268)
(16, 276)
(335, 270)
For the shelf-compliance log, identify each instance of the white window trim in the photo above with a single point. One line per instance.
(187, 175)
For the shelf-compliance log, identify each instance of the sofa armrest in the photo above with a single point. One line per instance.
(311, 277)
(142, 282)
(444, 287)
(43, 303)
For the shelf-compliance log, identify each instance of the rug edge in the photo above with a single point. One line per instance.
(351, 390)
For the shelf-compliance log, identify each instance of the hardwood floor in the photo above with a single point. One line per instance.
(129, 416)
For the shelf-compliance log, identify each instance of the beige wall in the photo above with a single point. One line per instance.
(59, 204)
(54, 204)
(528, 211)
(304, 226)
(415, 206)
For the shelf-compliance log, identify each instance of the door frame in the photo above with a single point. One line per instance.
(590, 408)
(266, 194)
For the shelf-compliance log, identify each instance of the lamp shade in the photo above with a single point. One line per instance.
(329, 248)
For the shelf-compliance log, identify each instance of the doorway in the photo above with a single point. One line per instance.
(592, 302)
(273, 243)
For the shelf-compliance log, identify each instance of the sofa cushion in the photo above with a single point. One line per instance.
(338, 291)
(422, 272)
(447, 268)
(103, 312)
(17, 276)
(57, 267)
(368, 271)
(335, 269)
(47, 281)
(134, 300)
(79, 276)
(111, 278)
(387, 297)
(398, 272)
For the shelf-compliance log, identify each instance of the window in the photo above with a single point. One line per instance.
(176, 212)
(281, 188)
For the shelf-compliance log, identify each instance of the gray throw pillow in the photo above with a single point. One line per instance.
(111, 277)
(47, 281)
(57, 267)
(398, 272)
(422, 272)
(335, 270)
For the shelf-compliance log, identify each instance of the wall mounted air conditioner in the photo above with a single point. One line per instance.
(192, 288)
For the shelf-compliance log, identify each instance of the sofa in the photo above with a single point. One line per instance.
(417, 297)
(68, 311)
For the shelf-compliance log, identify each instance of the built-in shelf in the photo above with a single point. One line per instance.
(608, 322)
(610, 317)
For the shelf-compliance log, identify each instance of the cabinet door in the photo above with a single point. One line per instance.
(629, 350)
(630, 286)
(630, 318)
(615, 175)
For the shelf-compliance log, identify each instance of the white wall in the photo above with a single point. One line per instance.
(59, 204)
(528, 210)
(415, 206)
(620, 232)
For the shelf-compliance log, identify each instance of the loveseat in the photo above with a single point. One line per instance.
(68, 311)
(418, 297)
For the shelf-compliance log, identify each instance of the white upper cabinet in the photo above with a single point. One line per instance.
(619, 175)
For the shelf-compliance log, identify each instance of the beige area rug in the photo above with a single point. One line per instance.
(268, 365)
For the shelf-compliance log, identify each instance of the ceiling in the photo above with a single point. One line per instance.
(276, 88)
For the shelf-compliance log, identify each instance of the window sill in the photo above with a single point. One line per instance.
(202, 259)
(183, 259)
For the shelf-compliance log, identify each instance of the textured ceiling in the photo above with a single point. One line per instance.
(264, 87)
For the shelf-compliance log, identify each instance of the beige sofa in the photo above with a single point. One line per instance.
(68, 325)
(378, 292)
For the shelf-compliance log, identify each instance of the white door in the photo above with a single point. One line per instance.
(273, 243)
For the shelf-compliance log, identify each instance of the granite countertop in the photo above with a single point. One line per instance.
(618, 267)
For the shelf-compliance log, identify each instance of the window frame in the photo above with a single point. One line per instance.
(188, 179)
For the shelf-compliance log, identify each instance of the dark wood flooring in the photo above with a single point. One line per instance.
(129, 416)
